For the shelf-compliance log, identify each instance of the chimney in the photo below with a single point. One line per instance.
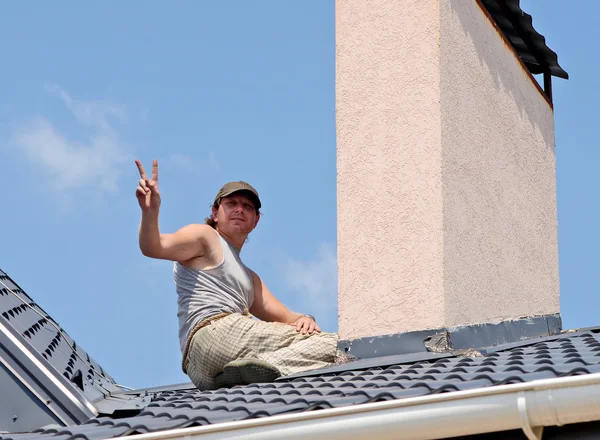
(445, 170)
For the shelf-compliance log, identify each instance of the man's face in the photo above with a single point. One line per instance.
(236, 214)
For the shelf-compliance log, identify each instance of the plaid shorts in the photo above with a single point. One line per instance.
(237, 336)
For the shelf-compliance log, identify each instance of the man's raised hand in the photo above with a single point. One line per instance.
(147, 190)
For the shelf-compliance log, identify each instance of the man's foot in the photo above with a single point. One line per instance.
(245, 372)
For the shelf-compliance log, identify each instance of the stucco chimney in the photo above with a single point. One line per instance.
(445, 171)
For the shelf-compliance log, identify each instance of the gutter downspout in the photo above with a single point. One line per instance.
(527, 406)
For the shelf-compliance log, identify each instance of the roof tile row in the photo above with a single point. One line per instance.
(185, 406)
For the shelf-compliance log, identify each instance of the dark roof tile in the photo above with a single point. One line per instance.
(566, 355)
(518, 27)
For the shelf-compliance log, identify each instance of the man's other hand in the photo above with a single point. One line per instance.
(306, 325)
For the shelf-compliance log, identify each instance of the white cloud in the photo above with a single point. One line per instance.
(187, 163)
(315, 281)
(90, 113)
(144, 115)
(212, 161)
(182, 161)
(96, 161)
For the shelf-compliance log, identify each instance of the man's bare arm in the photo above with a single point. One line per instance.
(186, 243)
(268, 308)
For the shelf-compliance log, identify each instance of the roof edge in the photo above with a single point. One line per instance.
(526, 406)
(522, 23)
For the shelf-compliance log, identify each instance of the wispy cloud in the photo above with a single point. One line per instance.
(315, 281)
(188, 163)
(182, 161)
(95, 161)
(212, 161)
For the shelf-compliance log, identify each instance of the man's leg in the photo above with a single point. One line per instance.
(305, 352)
(288, 350)
(213, 346)
(230, 345)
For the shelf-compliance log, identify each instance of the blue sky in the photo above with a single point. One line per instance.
(216, 91)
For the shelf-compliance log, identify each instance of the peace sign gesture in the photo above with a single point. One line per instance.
(147, 191)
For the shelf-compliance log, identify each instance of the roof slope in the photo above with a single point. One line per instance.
(27, 319)
(49, 377)
(530, 45)
(373, 380)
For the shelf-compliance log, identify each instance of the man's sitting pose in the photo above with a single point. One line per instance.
(221, 344)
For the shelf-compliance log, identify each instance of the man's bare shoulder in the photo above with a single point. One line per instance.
(254, 275)
(197, 231)
(199, 227)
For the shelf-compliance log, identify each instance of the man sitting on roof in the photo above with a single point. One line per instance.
(220, 343)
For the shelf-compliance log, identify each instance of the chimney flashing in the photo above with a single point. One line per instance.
(476, 336)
